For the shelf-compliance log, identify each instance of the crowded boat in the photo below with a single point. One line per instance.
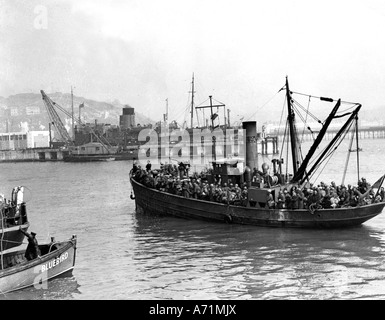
(175, 179)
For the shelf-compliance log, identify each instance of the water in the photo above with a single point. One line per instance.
(124, 255)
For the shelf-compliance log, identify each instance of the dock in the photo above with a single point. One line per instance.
(32, 155)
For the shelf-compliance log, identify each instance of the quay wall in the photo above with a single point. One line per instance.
(31, 155)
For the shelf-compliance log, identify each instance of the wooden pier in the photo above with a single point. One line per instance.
(374, 132)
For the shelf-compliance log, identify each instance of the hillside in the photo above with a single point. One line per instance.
(28, 111)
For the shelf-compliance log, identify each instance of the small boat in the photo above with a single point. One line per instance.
(256, 208)
(88, 158)
(13, 216)
(57, 258)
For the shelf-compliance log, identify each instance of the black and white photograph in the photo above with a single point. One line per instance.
(192, 155)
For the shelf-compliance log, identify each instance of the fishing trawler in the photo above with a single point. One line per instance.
(256, 209)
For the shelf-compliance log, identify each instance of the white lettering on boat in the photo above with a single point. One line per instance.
(54, 262)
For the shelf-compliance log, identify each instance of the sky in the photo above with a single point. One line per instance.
(144, 52)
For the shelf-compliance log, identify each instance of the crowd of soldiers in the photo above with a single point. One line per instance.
(175, 179)
(328, 196)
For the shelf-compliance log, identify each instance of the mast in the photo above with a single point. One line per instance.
(293, 138)
(192, 100)
(211, 106)
(358, 150)
(212, 128)
(212, 115)
(72, 108)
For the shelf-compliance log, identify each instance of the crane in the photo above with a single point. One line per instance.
(55, 119)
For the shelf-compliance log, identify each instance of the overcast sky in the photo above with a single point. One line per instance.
(142, 52)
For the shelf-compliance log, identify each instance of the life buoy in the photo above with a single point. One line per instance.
(313, 207)
(228, 218)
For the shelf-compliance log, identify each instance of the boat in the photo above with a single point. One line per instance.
(256, 210)
(57, 259)
(89, 152)
(13, 216)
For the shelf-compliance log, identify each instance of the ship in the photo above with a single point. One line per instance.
(98, 149)
(256, 209)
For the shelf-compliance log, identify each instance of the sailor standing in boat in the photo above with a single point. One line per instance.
(148, 166)
(33, 250)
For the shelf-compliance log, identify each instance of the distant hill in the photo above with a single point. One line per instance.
(27, 110)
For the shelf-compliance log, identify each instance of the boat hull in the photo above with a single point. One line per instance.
(89, 158)
(154, 201)
(36, 272)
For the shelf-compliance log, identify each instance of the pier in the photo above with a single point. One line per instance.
(32, 155)
(373, 132)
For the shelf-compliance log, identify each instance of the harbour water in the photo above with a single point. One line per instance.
(125, 255)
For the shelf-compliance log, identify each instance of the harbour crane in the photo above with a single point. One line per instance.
(55, 119)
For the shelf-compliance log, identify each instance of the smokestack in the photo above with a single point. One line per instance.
(251, 144)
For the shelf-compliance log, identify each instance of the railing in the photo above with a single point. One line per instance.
(11, 216)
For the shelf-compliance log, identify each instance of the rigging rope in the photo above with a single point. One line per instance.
(283, 141)
(334, 147)
(322, 98)
(304, 125)
(348, 158)
(280, 120)
(307, 112)
(322, 168)
(257, 109)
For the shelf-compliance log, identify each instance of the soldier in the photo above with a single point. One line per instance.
(287, 198)
(32, 251)
(280, 200)
(344, 197)
(134, 167)
(270, 200)
(186, 190)
(244, 196)
(148, 166)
